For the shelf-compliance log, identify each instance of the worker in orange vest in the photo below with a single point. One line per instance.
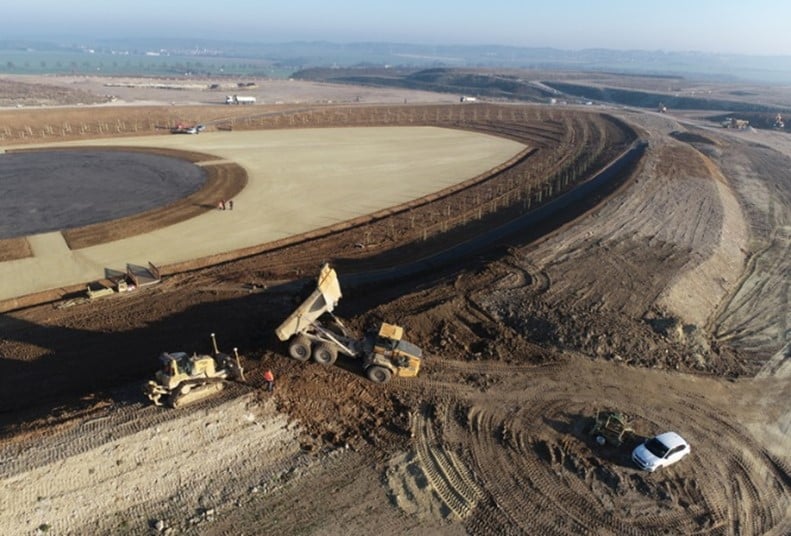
(269, 378)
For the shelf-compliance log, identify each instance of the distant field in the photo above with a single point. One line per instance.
(85, 62)
(117, 56)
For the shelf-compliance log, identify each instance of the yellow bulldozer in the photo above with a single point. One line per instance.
(185, 378)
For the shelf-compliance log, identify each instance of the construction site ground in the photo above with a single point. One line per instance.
(666, 300)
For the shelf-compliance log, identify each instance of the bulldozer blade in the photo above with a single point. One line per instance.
(154, 392)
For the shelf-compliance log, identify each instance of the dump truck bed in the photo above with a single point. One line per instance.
(322, 300)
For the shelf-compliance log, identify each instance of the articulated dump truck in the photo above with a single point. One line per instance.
(312, 330)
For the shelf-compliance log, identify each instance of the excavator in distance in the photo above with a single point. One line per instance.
(184, 379)
(383, 352)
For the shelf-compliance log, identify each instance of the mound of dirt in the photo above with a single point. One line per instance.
(18, 93)
(691, 137)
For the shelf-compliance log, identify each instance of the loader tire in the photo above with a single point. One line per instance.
(378, 374)
(299, 349)
(325, 354)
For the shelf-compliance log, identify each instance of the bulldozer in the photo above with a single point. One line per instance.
(312, 330)
(184, 379)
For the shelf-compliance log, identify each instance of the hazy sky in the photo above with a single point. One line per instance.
(728, 26)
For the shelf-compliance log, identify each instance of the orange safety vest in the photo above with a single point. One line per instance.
(268, 376)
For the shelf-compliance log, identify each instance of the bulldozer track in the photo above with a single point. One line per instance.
(448, 476)
(111, 422)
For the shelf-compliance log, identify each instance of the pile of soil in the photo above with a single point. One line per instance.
(18, 93)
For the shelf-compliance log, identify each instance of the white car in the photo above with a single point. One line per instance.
(660, 451)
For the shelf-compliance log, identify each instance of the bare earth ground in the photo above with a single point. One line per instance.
(679, 86)
(668, 301)
(32, 91)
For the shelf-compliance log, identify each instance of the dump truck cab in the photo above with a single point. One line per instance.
(386, 348)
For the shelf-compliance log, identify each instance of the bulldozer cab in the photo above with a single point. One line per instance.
(180, 365)
(173, 363)
(200, 365)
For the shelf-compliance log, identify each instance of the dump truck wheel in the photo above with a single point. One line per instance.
(299, 349)
(325, 354)
(378, 374)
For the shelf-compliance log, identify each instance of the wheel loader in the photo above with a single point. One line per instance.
(313, 331)
(184, 379)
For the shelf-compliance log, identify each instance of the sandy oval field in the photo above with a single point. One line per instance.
(299, 180)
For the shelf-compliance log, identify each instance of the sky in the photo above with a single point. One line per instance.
(755, 27)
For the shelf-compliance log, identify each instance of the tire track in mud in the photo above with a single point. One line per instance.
(449, 477)
(752, 317)
(166, 469)
(644, 222)
(757, 291)
(341, 494)
(528, 452)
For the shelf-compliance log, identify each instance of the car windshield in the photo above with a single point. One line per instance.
(656, 447)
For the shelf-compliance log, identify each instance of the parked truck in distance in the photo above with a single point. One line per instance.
(239, 99)
(312, 330)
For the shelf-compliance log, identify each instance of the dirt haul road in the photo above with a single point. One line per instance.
(630, 306)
